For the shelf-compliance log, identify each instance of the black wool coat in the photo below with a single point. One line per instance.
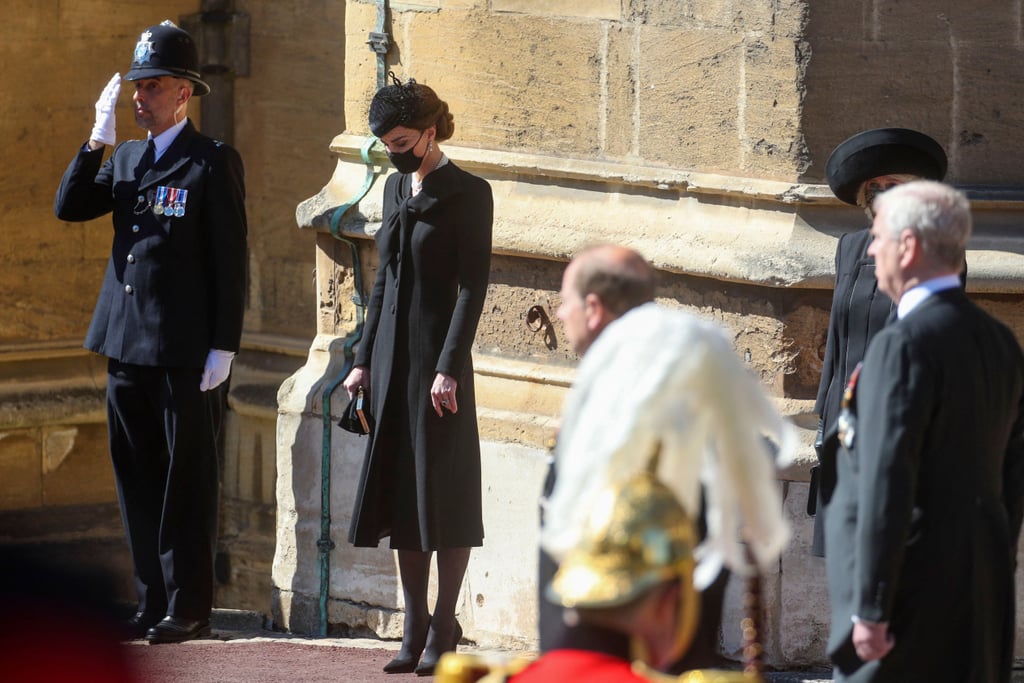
(175, 286)
(923, 527)
(420, 480)
(859, 312)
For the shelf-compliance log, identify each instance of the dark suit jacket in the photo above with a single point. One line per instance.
(174, 286)
(859, 312)
(923, 528)
(435, 255)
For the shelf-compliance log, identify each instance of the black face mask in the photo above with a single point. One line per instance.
(407, 161)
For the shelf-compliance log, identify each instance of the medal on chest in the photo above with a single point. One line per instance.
(847, 422)
(170, 201)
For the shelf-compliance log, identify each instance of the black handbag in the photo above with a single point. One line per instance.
(357, 418)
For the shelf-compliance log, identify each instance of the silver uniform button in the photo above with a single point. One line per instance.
(135, 228)
(131, 258)
(128, 289)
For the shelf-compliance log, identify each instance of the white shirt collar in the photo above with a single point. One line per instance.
(163, 141)
(913, 297)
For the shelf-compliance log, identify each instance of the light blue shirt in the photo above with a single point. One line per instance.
(913, 297)
(163, 141)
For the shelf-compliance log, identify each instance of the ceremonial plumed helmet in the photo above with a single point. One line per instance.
(166, 50)
(636, 535)
(882, 151)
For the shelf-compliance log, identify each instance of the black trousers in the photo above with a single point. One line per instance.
(164, 453)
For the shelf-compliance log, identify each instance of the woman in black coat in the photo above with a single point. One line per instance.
(420, 481)
(859, 169)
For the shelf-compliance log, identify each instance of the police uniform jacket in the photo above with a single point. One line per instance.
(175, 285)
(420, 481)
(924, 522)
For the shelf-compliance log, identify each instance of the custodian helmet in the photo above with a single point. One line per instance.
(166, 50)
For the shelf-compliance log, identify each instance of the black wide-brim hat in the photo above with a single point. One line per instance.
(882, 151)
(166, 50)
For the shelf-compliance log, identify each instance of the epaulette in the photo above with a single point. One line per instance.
(463, 667)
(695, 676)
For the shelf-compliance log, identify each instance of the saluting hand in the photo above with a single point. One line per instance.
(103, 130)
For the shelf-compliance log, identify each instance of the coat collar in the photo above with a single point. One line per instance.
(437, 187)
(172, 159)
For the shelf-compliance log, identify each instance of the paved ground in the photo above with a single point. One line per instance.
(42, 650)
(240, 652)
(249, 658)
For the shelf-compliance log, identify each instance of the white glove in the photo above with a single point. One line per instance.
(218, 367)
(103, 130)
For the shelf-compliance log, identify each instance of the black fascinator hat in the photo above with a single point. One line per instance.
(393, 105)
(882, 151)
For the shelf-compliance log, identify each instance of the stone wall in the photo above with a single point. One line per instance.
(695, 132)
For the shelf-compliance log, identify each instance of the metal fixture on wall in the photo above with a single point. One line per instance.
(380, 43)
(537, 320)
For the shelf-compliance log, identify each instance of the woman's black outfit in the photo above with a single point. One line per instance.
(420, 480)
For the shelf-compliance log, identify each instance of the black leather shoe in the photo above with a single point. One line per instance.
(177, 630)
(409, 656)
(431, 657)
(139, 624)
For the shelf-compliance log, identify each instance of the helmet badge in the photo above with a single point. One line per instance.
(144, 48)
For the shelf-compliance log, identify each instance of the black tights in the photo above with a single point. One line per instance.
(437, 630)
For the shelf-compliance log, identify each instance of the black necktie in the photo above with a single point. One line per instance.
(147, 160)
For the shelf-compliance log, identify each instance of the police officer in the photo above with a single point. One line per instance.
(169, 320)
(860, 168)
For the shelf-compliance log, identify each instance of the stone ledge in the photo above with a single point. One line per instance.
(757, 231)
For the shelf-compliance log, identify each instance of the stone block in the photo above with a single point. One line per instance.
(77, 467)
(298, 53)
(806, 329)
(548, 101)
(224, 619)
(943, 22)
(853, 86)
(688, 86)
(21, 465)
(770, 108)
(780, 18)
(803, 598)
(249, 471)
(985, 144)
(595, 9)
(360, 71)
(619, 118)
(77, 18)
(840, 19)
(511, 294)
(502, 576)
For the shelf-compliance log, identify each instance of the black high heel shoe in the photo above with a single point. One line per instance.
(429, 662)
(407, 664)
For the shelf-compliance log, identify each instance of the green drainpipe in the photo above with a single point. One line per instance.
(325, 545)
